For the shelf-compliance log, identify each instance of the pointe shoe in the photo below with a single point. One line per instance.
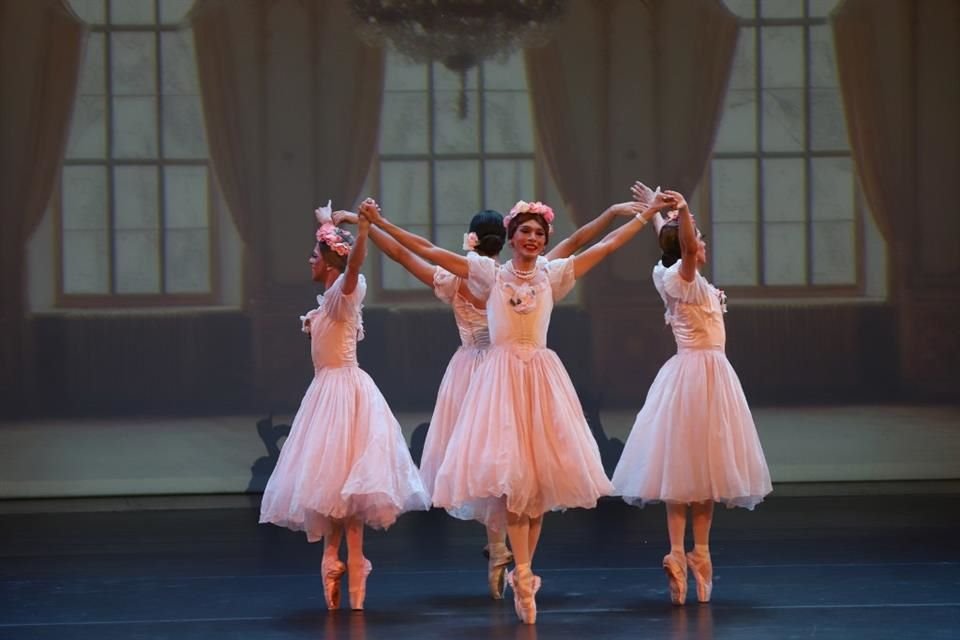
(499, 558)
(525, 586)
(675, 566)
(332, 570)
(358, 584)
(702, 568)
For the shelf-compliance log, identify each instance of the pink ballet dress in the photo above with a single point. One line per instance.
(474, 340)
(345, 456)
(694, 439)
(521, 442)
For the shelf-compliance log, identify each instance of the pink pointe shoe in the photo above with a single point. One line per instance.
(702, 569)
(525, 586)
(675, 566)
(499, 559)
(358, 584)
(332, 570)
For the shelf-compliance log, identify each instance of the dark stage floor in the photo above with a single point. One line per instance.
(798, 567)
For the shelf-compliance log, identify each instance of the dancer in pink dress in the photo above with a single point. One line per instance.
(486, 236)
(345, 463)
(694, 442)
(521, 445)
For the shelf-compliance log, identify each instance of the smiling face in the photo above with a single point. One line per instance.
(528, 236)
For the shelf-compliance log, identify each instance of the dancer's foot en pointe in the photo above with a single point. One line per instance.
(675, 566)
(332, 569)
(702, 569)
(358, 583)
(499, 558)
(525, 586)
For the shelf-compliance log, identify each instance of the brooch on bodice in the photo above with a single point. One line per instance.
(522, 297)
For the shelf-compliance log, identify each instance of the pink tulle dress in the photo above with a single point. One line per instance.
(694, 439)
(345, 456)
(474, 340)
(521, 442)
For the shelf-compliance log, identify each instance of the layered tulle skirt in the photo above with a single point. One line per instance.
(345, 457)
(521, 442)
(694, 439)
(450, 397)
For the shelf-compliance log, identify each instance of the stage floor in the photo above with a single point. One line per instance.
(869, 566)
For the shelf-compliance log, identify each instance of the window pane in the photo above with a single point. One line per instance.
(506, 182)
(93, 79)
(132, 12)
(823, 66)
(738, 124)
(446, 80)
(784, 190)
(782, 54)
(188, 261)
(134, 128)
(86, 267)
(781, 8)
(88, 129)
(178, 63)
(184, 133)
(509, 125)
(457, 189)
(133, 63)
(784, 253)
(735, 261)
(186, 205)
(403, 122)
(834, 249)
(734, 191)
(831, 183)
(405, 190)
(454, 134)
(783, 128)
(137, 261)
(84, 198)
(822, 8)
(90, 11)
(450, 236)
(743, 75)
(402, 75)
(135, 193)
(174, 11)
(827, 121)
(509, 74)
(742, 8)
(396, 277)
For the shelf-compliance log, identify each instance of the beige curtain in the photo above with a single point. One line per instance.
(694, 48)
(874, 40)
(41, 46)
(567, 85)
(350, 83)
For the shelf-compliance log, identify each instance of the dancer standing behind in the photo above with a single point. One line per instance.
(486, 236)
(694, 442)
(345, 463)
(521, 445)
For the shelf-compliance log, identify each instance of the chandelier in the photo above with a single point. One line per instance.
(460, 34)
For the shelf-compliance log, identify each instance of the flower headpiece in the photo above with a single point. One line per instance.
(329, 234)
(536, 208)
(470, 241)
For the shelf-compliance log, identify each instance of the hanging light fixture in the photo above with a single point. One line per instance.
(460, 34)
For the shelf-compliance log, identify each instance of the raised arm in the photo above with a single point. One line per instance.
(355, 261)
(618, 237)
(585, 234)
(420, 269)
(452, 262)
(688, 239)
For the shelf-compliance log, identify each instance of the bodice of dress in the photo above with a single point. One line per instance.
(519, 309)
(336, 325)
(471, 322)
(694, 310)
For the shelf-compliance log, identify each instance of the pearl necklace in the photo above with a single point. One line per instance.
(523, 275)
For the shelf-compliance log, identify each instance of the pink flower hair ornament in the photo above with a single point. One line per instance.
(337, 239)
(536, 208)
